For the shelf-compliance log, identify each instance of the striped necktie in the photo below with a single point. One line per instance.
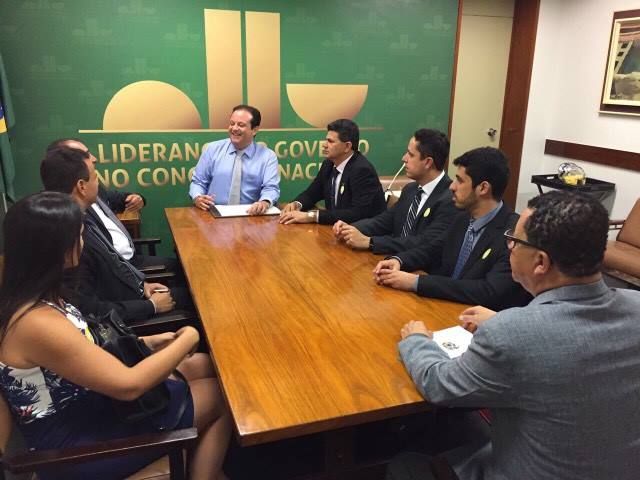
(236, 180)
(413, 212)
(465, 251)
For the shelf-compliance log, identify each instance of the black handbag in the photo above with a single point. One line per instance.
(110, 333)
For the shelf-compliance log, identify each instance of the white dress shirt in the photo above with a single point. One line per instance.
(120, 240)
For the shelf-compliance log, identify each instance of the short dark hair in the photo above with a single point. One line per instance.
(62, 142)
(62, 167)
(572, 228)
(256, 117)
(434, 144)
(347, 131)
(486, 164)
(39, 231)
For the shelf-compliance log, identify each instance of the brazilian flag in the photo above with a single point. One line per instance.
(7, 168)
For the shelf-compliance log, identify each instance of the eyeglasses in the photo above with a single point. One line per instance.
(512, 240)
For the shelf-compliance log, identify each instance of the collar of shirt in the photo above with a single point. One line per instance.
(480, 223)
(119, 239)
(429, 187)
(248, 151)
(340, 167)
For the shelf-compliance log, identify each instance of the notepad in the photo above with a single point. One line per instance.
(453, 341)
(237, 210)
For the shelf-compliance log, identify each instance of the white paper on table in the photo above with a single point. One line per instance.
(238, 210)
(453, 341)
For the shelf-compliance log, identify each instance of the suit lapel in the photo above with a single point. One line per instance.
(343, 180)
(409, 196)
(326, 183)
(441, 186)
(126, 273)
(112, 216)
(483, 246)
(97, 222)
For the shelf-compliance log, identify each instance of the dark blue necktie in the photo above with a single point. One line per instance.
(334, 176)
(465, 251)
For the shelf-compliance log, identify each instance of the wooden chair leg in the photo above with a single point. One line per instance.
(176, 465)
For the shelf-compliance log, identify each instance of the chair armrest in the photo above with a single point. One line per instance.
(150, 243)
(161, 442)
(442, 470)
(615, 224)
(160, 276)
(153, 269)
(164, 322)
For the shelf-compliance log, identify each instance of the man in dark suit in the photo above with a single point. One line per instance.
(103, 212)
(347, 182)
(103, 280)
(117, 201)
(425, 208)
(469, 262)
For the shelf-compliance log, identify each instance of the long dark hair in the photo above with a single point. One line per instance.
(39, 231)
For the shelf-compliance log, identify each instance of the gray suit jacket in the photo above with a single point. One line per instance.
(562, 378)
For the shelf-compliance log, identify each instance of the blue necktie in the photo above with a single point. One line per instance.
(413, 212)
(236, 180)
(465, 251)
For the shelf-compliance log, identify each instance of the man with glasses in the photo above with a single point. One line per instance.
(347, 182)
(559, 375)
(469, 262)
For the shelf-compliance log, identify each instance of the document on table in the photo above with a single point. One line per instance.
(237, 210)
(453, 341)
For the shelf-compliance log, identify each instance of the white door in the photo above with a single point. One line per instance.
(483, 57)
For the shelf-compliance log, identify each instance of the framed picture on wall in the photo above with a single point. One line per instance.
(621, 89)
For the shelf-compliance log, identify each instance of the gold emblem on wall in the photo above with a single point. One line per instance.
(150, 105)
(155, 106)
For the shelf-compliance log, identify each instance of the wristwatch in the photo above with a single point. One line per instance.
(313, 214)
(371, 244)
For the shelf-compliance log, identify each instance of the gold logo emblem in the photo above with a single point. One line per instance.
(426, 212)
(152, 105)
(486, 253)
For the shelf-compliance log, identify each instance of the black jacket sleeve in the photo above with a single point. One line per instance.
(366, 197)
(115, 199)
(83, 284)
(486, 276)
(441, 214)
(495, 290)
(315, 191)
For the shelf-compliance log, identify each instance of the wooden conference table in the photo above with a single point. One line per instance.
(303, 339)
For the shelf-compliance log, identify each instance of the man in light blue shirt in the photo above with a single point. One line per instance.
(237, 171)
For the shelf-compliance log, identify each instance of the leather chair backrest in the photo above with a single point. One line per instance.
(630, 231)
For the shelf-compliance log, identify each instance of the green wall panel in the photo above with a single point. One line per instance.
(66, 59)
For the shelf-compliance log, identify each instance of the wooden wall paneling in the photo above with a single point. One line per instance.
(590, 153)
(514, 113)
